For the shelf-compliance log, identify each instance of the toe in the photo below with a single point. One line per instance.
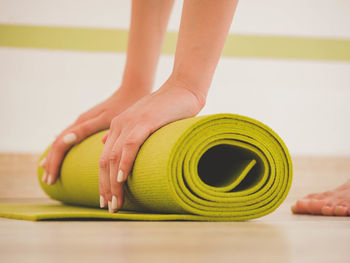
(341, 210)
(327, 210)
(301, 207)
(315, 206)
(294, 209)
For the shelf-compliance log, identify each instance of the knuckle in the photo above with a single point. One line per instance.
(147, 122)
(131, 141)
(58, 145)
(54, 165)
(136, 137)
(101, 187)
(113, 156)
(84, 129)
(46, 165)
(107, 191)
(124, 164)
(146, 126)
(103, 162)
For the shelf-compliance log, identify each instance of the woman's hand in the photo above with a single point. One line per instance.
(128, 131)
(95, 119)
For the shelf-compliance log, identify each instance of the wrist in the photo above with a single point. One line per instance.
(181, 86)
(131, 91)
(195, 89)
(136, 83)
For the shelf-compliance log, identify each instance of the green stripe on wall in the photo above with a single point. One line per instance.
(111, 40)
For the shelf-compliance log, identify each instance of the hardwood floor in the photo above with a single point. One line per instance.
(278, 237)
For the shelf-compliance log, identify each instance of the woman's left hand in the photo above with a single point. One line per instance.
(128, 131)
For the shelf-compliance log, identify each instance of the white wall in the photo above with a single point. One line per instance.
(306, 102)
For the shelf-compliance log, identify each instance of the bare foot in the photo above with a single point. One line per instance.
(331, 203)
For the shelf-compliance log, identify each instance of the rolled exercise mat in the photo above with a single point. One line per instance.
(222, 167)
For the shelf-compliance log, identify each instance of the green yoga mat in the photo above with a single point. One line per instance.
(221, 167)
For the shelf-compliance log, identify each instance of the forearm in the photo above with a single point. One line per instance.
(203, 31)
(147, 30)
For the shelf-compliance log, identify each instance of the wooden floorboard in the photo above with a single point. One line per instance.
(278, 237)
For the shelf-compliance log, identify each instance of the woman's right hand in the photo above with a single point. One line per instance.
(96, 119)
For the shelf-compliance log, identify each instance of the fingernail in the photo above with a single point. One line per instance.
(102, 202)
(110, 209)
(69, 138)
(114, 203)
(120, 177)
(49, 179)
(44, 177)
(42, 162)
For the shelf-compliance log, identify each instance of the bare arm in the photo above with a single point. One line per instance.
(204, 27)
(203, 31)
(148, 26)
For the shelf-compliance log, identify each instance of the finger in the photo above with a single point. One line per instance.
(64, 143)
(104, 171)
(88, 115)
(122, 155)
(315, 206)
(104, 139)
(104, 186)
(82, 118)
(114, 158)
(117, 200)
(45, 162)
(42, 164)
(116, 187)
(45, 165)
(130, 149)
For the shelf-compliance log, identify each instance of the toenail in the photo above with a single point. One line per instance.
(327, 210)
(340, 210)
(340, 206)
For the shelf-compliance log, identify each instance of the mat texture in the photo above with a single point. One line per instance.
(221, 167)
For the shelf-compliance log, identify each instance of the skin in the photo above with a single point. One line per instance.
(133, 113)
(331, 203)
(138, 78)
